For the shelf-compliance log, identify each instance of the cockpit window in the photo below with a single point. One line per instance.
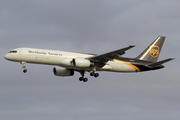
(14, 51)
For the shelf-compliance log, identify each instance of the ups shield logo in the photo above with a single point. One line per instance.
(154, 51)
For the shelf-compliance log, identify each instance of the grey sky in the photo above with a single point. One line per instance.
(95, 26)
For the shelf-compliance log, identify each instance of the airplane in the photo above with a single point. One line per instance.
(66, 63)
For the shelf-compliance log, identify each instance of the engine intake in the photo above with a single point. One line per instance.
(82, 62)
(58, 71)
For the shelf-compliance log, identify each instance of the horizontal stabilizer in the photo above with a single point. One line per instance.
(160, 62)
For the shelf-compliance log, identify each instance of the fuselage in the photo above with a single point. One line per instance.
(64, 59)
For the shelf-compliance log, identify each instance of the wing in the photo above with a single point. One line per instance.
(101, 60)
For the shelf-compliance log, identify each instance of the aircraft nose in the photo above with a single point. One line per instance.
(7, 56)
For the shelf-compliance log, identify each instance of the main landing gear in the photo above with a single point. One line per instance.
(94, 74)
(24, 66)
(82, 72)
(83, 79)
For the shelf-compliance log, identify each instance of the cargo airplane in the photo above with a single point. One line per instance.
(66, 63)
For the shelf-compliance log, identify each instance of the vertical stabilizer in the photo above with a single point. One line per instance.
(151, 53)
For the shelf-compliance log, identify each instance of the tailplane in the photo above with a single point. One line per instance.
(160, 62)
(151, 53)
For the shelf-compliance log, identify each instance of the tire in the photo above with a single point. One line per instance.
(85, 80)
(92, 74)
(25, 70)
(96, 75)
(81, 79)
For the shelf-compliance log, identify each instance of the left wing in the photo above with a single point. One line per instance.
(101, 60)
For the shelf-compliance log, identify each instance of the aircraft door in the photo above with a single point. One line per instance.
(20, 52)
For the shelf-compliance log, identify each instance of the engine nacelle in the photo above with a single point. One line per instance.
(82, 62)
(58, 71)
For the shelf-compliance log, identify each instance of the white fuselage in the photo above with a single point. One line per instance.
(64, 59)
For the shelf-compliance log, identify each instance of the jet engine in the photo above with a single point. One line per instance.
(58, 71)
(82, 62)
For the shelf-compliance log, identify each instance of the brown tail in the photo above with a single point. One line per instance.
(151, 53)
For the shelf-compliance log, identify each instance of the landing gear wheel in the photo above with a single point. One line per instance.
(81, 79)
(85, 79)
(96, 75)
(25, 70)
(92, 74)
(82, 74)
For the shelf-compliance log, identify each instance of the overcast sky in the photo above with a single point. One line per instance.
(90, 26)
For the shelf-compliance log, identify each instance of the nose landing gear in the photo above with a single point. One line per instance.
(25, 70)
(24, 66)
